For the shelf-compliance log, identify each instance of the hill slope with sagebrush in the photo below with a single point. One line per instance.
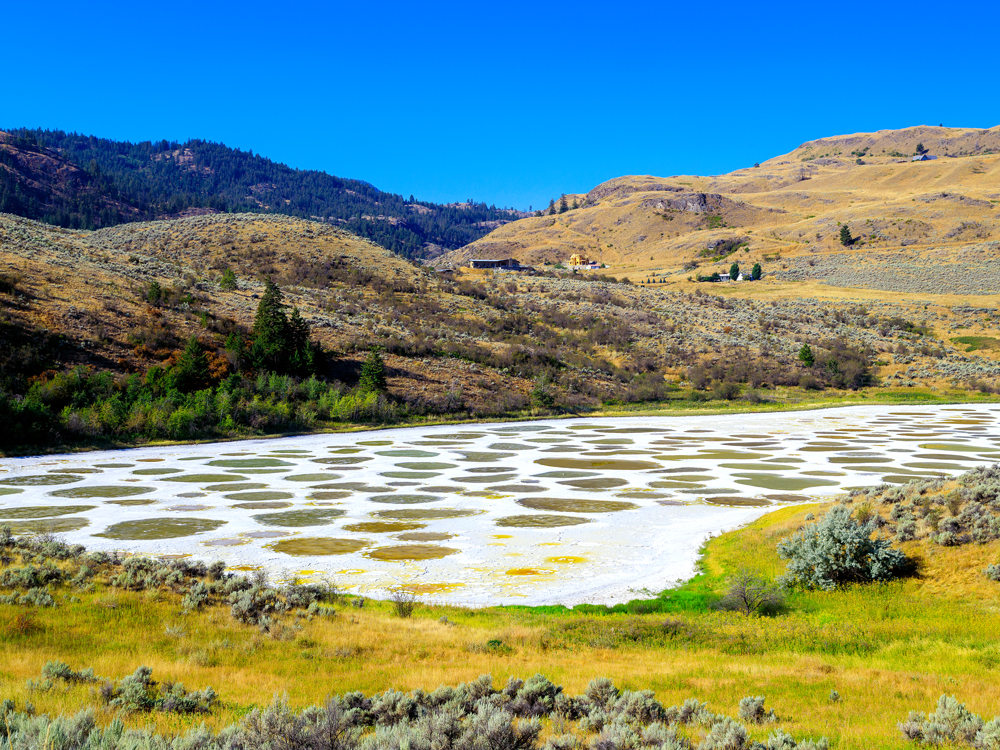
(86, 182)
(926, 227)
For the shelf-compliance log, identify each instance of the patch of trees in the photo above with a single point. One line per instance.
(153, 179)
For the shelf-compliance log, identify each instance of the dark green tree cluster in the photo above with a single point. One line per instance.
(280, 342)
(845, 236)
(152, 183)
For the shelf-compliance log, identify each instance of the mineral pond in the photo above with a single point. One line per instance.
(564, 511)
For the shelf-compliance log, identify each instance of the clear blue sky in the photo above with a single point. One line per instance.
(508, 103)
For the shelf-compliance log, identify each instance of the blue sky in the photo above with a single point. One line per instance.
(509, 103)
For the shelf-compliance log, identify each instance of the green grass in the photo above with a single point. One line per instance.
(976, 343)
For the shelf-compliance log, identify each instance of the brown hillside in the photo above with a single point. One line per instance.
(921, 227)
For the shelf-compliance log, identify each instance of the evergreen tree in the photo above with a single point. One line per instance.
(269, 350)
(373, 373)
(755, 272)
(552, 207)
(806, 355)
(845, 236)
(563, 206)
(228, 281)
(191, 371)
(734, 271)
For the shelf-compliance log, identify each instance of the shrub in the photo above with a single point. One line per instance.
(751, 709)
(950, 721)
(993, 572)
(750, 593)
(839, 549)
(403, 602)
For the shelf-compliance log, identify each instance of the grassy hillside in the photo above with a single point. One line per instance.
(127, 299)
(920, 227)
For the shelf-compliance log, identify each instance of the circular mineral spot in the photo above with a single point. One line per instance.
(845, 460)
(530, 572)
(258, 471)
(10, 491)
(739, 502)
(575, 505)
(343, 460)
(402, 552)
(230, 542)
(48, 525)
(308, 478)
(485, 479)
(149, 460)
(426, 514)
(41, 480)
(769, 482)
(596, 483)
(162, 471)
(426, 465)
(410, 474)
(517, 488)
(249, 463)
(132, 501)
(457, 436)
(289, 450)
(483, 456)
(265, 505)
(189, 507)
(431, 588)
(510, 447)
(78, 470)
(204, 478)
(114, 466)
(403, 499)
(786, 498)
(540, 521)
(674, 484)
(236, 486)
(44, 511)
(106, 491)
(253, 497)
(425, 536)
(308, 546)
(566, 559)
(266, 534)
(407, 453)
(604, 464)
(329, 495)
(564, 474)
(160, 528)
(298, 518)
(383, 527)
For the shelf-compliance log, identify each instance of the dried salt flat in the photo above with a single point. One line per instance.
(564, 511)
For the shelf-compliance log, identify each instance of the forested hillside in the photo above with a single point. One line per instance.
(85, 182)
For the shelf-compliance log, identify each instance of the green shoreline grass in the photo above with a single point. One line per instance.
(788, 399)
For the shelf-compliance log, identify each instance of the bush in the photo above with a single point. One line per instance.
(403, 602)
(993, 572)
(839, 549)
(750, 593)
(751, 709)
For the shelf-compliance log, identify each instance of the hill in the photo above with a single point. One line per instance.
(85, 182)
(921, 227)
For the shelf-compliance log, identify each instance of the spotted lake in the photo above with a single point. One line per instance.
(563, 511)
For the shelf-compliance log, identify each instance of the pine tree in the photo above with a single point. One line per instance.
(734, 271)
(845, 236)
(228, 281)
(806, 355)
(269, 350)
(373, 373)
(552, 207)
(755, 272)
(191, 371)
(563, 206)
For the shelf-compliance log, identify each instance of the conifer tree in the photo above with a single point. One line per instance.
(806, 355)
(270, 331)
(845, 236)
(755, 272)
(563, 206)
(734, 271)
(373, 373)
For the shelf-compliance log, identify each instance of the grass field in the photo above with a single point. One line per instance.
(886, 649)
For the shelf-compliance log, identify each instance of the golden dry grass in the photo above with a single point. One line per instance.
(886, 649)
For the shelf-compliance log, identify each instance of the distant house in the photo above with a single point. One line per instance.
(723, 277)
(503, 264)
(579, 262)
(923, 157)
(497, 265)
